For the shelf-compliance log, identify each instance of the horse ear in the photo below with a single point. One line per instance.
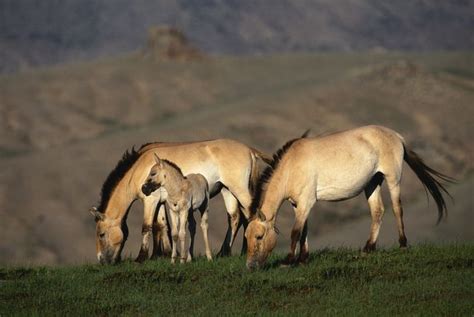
(97, 214)
(157, 159)
(261, 216)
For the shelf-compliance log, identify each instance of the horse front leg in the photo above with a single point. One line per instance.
(304, 249)
(149, 206)
(299, 232)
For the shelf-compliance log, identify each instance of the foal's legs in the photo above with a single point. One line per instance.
(232, 206)
(174, 234)
(204, 227)
(149, 206)
(374, 198)
(183, 221)
(394, 188)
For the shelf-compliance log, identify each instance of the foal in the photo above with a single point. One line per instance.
(184, 194)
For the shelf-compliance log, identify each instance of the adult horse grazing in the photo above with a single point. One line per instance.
(332, 168)
(229, 167)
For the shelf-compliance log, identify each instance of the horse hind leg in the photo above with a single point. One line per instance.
(232, 206)
(394, 189)
(374, 198)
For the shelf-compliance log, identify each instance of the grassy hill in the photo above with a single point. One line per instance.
(424, 280)
(63, 129)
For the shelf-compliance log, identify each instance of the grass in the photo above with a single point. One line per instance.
(424, 280)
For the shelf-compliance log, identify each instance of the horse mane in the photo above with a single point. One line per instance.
(123, 166)
(173, 165)
(268, 172)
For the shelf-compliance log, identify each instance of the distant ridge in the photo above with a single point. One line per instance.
(36, 33)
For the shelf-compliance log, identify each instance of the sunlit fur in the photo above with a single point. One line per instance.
(185, 194)
(229, 167)
(331, 168)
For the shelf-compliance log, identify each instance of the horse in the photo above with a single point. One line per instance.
(332, 168)
(229, 167)
(185, 194)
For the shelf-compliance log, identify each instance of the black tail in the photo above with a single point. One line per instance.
(431, 179)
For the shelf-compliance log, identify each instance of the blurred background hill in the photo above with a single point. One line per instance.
(38, 32)
(121, 78)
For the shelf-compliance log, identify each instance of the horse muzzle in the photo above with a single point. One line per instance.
(149, 188)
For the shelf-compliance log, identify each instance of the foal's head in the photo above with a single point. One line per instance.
(157, 177)
(261, 240)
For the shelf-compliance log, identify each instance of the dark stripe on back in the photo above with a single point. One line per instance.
(123, 166)
(268, 172)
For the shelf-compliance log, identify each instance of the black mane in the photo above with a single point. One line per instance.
(268, 172)
(123, 166)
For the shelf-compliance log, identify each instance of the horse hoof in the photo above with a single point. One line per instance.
(141, 258)
(369, 247)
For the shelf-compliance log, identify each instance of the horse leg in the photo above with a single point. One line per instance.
(204, 227)
(394, 189)
(156, 234)
(149, 206)
(174, 235)
(243, 222)
(192, 233)
(232, 206)
(302, 210)
(244, 199)
(162, 232)
(304, 250)
(183, 220)
(374, 198)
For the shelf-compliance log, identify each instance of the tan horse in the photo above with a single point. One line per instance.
(185, 194)
(229, 167)
(333, 168)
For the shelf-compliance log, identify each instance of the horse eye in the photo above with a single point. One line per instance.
(153, 174)
(260, 236)
(175, 204)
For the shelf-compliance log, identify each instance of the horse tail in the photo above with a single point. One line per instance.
(431, 180)
(254, 169)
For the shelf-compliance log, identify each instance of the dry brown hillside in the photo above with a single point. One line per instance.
(63, 129)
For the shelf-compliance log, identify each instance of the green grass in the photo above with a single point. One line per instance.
(424, 280)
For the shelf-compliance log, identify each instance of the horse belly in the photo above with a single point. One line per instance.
(331, 187)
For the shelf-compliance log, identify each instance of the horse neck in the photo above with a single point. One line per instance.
(175, 181)
(121, 199)
(275, 193)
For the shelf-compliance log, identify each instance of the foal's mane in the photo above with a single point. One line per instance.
(269, 170)
(173, 165)
(123, 166)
